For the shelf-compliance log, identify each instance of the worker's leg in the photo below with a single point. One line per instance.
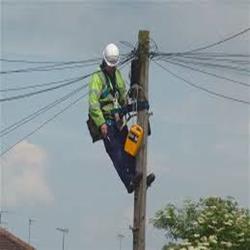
(114, 148)
(130, 161)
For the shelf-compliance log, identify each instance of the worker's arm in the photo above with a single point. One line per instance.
(122, 89)
(95, 91)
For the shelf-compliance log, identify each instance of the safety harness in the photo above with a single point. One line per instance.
(117, 112)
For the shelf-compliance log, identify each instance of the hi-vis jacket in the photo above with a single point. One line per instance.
(101, 101)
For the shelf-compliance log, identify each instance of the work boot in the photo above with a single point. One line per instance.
(150, 179)
(137, 178)
(131, 188)
(134, 182)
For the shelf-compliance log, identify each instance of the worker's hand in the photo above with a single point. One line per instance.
(104, 130)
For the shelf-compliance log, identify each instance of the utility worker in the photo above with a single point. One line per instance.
(107, 91)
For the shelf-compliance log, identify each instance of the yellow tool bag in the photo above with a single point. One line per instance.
(134, 140)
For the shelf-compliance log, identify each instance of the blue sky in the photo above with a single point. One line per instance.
(199, 144)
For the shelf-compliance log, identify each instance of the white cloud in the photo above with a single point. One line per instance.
(24, 176)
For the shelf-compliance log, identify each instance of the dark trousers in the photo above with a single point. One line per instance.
(124, 163)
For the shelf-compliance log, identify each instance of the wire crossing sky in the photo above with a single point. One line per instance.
(199, 127)
(44, 109)
(204, 89)
(172, 58)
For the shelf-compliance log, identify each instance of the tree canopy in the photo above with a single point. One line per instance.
(211, 223)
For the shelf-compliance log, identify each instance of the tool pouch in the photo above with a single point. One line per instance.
(93, 130)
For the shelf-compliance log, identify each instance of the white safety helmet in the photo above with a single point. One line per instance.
(111, 55)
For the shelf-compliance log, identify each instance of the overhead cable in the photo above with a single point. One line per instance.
(35, 62)
(32, 116)
(51, 65)
(43, 124)
(54, 67)
(38, 85)
(57, 66)
(42, 110)
(26, 119)
(207, 73)
(217, 59)
(219, 42)
(202, 56)
(44, 90)
(52, 62)
(214, 65)
(54, 82)
(203, 88)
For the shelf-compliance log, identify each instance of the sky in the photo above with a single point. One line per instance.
(199, 145)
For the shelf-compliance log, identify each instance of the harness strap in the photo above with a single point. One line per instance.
(108, 89)
(141, 105)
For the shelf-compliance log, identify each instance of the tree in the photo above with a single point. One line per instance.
(210, 224)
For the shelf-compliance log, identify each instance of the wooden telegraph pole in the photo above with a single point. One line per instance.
(141, 161)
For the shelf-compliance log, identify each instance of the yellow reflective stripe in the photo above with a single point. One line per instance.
(108, 106)
(104, 80)
(94, 105)
(102, 77)
(95, 92)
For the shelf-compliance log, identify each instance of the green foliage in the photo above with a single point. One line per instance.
(209, 224)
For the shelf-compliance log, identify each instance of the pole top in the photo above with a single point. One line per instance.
(143, 35)
(64, 230)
